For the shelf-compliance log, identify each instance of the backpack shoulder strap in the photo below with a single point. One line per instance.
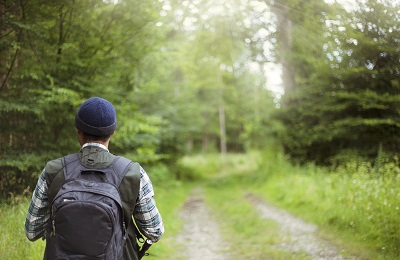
(70, 163)
(56, 174)
(130, 182)
(121, 166)
(129, 190)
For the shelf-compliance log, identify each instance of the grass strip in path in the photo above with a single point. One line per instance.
(249, 236)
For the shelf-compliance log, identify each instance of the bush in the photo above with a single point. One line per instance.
(19, 174)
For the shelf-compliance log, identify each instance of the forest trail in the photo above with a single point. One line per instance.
(201, 238)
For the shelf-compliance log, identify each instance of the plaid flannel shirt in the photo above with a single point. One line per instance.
(147, 216)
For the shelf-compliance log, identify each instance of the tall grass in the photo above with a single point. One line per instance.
(170, 194)
(208, 166)
(356, 199)
(13, 242)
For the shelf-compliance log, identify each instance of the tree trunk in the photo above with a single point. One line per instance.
(205, 143)
(222, 129)
(189, 145)
(284, 28)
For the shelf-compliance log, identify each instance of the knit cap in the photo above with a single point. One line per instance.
(97, 117)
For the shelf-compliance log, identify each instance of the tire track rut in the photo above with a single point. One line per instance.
(299, 235)
(200, 235)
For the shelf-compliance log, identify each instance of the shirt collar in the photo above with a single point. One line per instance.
(95, 144)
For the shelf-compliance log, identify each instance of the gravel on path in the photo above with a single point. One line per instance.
(200, 237)
(300, 236)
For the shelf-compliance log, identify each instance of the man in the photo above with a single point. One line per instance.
(96, 122)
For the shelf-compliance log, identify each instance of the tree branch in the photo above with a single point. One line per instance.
(4, 83)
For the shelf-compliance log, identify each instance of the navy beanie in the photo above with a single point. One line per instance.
(96, 117)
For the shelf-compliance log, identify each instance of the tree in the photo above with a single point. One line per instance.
(56, 54)
(184, 78)
(349, 104)
(204, 68)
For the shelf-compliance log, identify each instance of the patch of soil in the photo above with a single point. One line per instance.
(299, 235)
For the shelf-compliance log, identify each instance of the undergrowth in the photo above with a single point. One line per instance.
(357, 200)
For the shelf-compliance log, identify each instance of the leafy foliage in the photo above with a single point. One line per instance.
(189, 76)
(54, 56)
(167, 79)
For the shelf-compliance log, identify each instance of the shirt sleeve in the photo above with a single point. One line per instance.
(147, 216)
(38, 212)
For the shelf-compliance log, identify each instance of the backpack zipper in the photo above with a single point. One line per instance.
(53, 229)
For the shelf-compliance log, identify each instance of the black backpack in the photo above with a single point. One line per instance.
(87, 220)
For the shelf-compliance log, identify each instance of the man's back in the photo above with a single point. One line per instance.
(95, 122)
(87, 210)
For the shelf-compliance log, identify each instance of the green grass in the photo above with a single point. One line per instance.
(356, 206)
(249, 236)
(207, 166)
(227, 179)
(169, 194)
(13, 242)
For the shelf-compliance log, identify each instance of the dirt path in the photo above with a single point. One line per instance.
(300, 236)
(201, 240)
(200, 234)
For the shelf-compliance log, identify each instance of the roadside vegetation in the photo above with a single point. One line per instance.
(358, 202)
(355, 206)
